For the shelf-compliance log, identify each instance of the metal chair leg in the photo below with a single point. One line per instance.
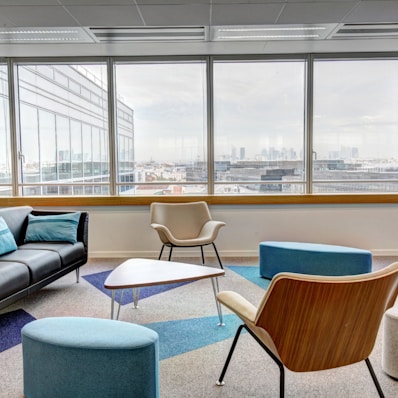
(161, 251)
(171, 250)
(231, 351)
(218, 257)
(203, 256)
(374, 378)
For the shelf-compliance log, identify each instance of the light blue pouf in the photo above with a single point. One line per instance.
(312, 258)
(76, 357)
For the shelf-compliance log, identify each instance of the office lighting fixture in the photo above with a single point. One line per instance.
(271, 32)
(44, 35)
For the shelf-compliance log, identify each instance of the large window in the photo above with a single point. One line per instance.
(170, 128)
(202, 125)
(63, 119)
(355, 138)
(5, 144)
(259, 127)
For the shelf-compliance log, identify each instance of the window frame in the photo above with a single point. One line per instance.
(211, 198)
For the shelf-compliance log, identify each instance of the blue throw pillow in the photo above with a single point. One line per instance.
(53, 228)
(7, 240)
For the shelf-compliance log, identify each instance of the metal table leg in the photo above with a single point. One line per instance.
(214, 282)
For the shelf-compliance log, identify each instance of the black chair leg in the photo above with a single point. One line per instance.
(171, 250)
(276, 360)
(374, 378)
(218, 257)
(203, 257)
(161, 251)
(231, 351)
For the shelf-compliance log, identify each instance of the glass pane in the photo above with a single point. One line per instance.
(162, 128)
(56, 126)
(5, 147)
(259, 127)
(355, 126)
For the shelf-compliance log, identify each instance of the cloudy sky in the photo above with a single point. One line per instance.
(261, 105)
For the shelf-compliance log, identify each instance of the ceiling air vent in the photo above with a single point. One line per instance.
(365, 31)
(126, 34)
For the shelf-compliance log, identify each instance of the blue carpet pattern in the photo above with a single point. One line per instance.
(251, 274)
(189, 331)
(11, 324)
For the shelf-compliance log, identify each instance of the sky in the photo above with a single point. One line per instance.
(261, 105)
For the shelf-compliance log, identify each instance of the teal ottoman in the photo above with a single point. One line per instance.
(89, 358)
(312, 258)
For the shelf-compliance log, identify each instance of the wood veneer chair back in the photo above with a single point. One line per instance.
(309, 323)
(321, 323)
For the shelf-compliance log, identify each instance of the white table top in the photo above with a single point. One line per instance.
(140, 272)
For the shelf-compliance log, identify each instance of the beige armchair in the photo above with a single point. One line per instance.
(308, 323)
(185, 225)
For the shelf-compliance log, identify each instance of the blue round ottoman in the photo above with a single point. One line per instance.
(312, 258)
(88, 357)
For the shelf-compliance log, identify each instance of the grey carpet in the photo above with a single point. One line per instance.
(193, 374)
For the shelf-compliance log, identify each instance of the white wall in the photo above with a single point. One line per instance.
(124, 231)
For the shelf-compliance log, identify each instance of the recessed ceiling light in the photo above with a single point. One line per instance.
(44, 35)
(271, 32)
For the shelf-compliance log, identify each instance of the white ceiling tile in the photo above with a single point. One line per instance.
(374, 11)
(29, 3)
(95, 2)
(245, 14)
(37, 15)
(106, 15)
(319, 12)
(177, 15)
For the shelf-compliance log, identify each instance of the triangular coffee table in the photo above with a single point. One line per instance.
(138, 272)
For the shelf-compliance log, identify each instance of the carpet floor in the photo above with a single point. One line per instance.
(192, 347)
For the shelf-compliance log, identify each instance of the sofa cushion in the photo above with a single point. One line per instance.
(53, 228)
(41, 263)
(7, 241)
(16, 219)
(13, 278)
(69, 252)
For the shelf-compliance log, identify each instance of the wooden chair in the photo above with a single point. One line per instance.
(308, 323)
(185, 225)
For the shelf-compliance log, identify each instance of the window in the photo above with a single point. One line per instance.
(57, 126)
(5, 147)
(162, 128)
(355, 126)
(252, 126)
(259, 127)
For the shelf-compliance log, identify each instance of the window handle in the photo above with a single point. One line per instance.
(21, 156)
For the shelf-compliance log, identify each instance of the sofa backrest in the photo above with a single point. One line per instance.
(16, 219)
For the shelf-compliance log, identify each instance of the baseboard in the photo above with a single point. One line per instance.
(195, 253)
(176, 254)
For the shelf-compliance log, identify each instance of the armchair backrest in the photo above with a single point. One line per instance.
(184, 220)
(323, 322)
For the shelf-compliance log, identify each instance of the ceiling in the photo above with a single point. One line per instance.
(193, 26)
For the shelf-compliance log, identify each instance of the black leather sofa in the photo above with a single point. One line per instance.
(34, 265)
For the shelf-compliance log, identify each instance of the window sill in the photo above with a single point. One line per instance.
(85, 201)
